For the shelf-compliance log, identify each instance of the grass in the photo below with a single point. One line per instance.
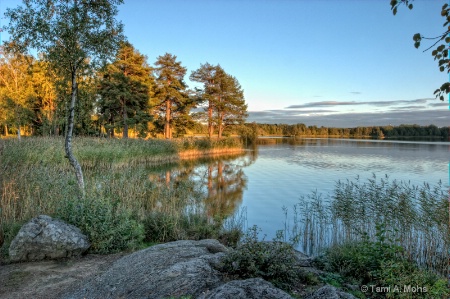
(131, 185)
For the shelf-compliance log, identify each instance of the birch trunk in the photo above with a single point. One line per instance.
(68, 141)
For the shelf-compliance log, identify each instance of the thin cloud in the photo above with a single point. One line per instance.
(440, 104)
(355, 92)
(347, 120)
(322, 104)
(411, 107)
(351, 103)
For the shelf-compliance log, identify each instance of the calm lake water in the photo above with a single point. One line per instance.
(284, 172)
(279, 174)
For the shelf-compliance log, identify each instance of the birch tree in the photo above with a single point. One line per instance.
(75, 36)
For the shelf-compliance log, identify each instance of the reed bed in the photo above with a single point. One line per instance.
(125, 189)
(194, 153)
(416, 217)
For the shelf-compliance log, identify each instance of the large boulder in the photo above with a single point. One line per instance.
(47, 238)
(171, 270)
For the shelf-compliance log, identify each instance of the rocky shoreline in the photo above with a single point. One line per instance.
(180, 269)
(49, 264)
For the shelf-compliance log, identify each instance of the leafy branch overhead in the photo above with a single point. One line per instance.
(440, 51)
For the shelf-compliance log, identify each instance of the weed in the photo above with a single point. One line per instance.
(274, 261)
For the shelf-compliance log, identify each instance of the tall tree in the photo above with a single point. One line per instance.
(46, 118)
(223, 95)
(16, 90)
(208, 75)
(440, 46)
(171, 91)
(231, 108)
(75, 35)
(125, 90)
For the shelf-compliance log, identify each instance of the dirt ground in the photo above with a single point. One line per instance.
(49, 279)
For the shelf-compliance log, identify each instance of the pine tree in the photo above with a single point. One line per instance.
(231, 108)
(208, 75)
(125, 91)
(223, 95)
(171, 95)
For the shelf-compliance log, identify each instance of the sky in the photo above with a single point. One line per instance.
(341, 63)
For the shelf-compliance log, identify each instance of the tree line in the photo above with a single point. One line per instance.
(371, 131)
(125, 96)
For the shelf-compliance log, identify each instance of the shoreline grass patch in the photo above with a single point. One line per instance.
(416, 217)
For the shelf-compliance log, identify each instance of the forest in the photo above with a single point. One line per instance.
(379, 132)
(126, 98)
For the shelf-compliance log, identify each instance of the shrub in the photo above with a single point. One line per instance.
(109, 227)
(382, 263)
(166, 227)
(274, 261)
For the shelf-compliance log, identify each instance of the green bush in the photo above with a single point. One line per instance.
(274, 261)
(165, 227)
(109, 227)
(381, 263)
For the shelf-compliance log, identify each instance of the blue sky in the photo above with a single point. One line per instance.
(319, 62)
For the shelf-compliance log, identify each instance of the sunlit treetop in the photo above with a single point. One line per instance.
(69, 32)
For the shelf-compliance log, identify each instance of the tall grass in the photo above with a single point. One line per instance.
(415, 216)
(124, 190)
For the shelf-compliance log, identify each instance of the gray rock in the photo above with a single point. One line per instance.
(302, 259)
(253, 288)
(172, 270)
(330, 292)
(161, 271)
(47, 238)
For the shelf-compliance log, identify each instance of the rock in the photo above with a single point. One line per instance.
(253, 288)
(172, 270)
(330, 292)
(302, 260)
(161, 271)
(47, 238)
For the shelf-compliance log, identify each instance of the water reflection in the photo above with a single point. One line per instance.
(218, 183)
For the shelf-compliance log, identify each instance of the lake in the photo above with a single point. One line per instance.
(277, 174)
(284, 172)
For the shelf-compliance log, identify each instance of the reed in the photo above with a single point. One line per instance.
(124, 187)
(416, 217)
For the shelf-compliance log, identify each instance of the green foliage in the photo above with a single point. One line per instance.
(171, 98)
(207, 144)
(45, 27)
(16, 90)
(430, 132)
(125, 91)
(109, 227)
(274, 261)
(8, 230)
(361, 260)
(382, 263)
(404, 273)
(440, 52)
(163, 227)
(222, 97)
